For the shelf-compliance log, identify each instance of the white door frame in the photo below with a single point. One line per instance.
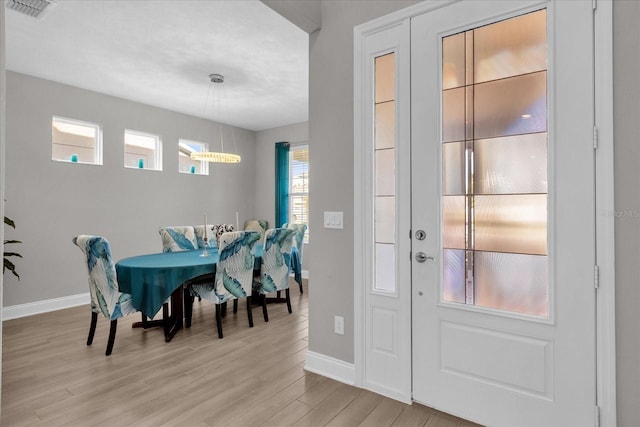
(603, 144)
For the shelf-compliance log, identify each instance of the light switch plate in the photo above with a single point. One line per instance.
(338, 325)
(333, 220)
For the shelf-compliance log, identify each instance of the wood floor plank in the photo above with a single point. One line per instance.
(357, 410)
(384, 414)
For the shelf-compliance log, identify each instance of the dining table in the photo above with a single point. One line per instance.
(153, 279)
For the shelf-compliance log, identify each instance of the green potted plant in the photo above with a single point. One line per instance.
(8, 265)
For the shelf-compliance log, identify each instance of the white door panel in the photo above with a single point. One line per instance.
(497, 364)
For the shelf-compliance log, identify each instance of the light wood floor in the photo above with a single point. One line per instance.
(252, 377)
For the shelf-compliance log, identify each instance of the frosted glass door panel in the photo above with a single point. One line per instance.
(453, 115)
(453, 168)
(494, 165)
(385, 172)
(515, 164)
(453, 208)
(385, 267)
(453, 276)
(512, 282)
(511, 47)
(511, 106)
(385, 134)
(385, 78)
(385, 219)
(453, 58)
(512, 223)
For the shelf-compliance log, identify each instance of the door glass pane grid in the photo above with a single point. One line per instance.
(385, 174)
(494, 162)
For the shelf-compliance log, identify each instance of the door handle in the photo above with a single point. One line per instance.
(422, 257)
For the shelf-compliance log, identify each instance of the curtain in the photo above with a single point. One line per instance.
(282, 183)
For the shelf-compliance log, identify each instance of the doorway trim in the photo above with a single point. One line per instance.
(605, 213)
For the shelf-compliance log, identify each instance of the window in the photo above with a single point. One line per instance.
(142, 150)
(76, 141)
(186, 164)
(385, 172)
(494, 157)
(299, 186)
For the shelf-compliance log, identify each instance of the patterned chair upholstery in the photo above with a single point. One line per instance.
(233, 277)
(259, 225)
(276, 264)
(220, 229)
(178, 238)
(103, 286)
(298, 244)
(212, 241)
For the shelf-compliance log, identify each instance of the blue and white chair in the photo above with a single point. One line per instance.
(212, 242)
(276, 264)
(103, 286)
(178, 238)
(220, 229)
(233, 277)
(296, 253)
(259, 225)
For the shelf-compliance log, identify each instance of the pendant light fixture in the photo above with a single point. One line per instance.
(217, 156)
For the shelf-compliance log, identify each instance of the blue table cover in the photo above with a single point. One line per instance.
(151, 279)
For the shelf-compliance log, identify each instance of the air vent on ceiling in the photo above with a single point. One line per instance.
(34, 8)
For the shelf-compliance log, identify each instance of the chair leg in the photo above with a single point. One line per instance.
(288, 300)
(235, 306)
(300, 285)
(224, 309)
(219, 319)
(188, 307)
(112, 336)
(92, 327)
(249, 312)
(165, 319)
(263, 297)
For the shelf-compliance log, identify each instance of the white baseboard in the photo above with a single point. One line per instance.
(31, 308)
(330, 367)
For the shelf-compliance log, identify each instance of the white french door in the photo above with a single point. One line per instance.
(502, 178)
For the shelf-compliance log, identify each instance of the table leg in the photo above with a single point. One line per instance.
(177, 314)
(174, 321)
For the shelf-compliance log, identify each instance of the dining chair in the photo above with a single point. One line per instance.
(276, 264)
(178, 238)
(233, 277)
(298, 245)
(259, 225)
(212, 242)
(103, 286)
(220, 229)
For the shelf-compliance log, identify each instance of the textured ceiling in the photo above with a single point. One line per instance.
(161, 53)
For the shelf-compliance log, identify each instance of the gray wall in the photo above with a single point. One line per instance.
(53, 201)
(330, 257)
(626, 93)
(265, 170)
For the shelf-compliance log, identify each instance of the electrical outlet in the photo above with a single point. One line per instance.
(338, 325)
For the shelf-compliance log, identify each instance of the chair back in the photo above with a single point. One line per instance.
(276, 259)
(298, 241)
(212, 241)
(234, 269)
(103, 284)
(178, 238)
(220, 229)
(259, 225)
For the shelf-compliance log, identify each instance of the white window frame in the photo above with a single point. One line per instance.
(298, 147)
(98, 139)
(157, 154)
(204, 165)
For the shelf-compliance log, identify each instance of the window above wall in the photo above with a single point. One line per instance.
(299, 186)
(142, 150)
(76, 141)
(188, 165)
